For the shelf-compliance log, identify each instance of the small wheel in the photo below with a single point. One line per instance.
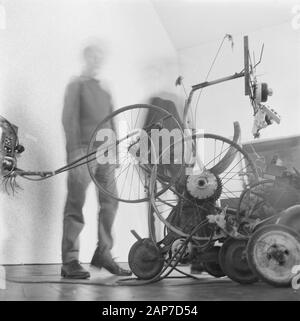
(272, 252)
(233, 261)
(213, 267)
(145, 259)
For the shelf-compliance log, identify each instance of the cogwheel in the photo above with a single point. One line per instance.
(204, 186)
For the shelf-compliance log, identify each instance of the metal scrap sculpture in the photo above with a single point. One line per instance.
(198, 198)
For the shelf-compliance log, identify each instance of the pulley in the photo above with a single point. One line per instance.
(176, 250)
(145, 259)
(261, 92)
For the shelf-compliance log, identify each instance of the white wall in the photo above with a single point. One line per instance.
(222, 104)
(39, 53)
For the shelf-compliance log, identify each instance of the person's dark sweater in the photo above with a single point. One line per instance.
(155, 115)
(86, 104)
(164, 101)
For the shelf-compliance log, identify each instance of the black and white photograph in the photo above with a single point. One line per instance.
(149, 153)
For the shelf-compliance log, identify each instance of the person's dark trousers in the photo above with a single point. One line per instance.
(78, 181)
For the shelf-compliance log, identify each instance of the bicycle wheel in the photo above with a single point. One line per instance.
(206, 191)
(254, 202)
(122, 147)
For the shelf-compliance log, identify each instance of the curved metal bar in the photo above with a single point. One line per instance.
(225, 162)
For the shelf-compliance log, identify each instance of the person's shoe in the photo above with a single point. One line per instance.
(110, 265)
(114, 268)
(73, 270)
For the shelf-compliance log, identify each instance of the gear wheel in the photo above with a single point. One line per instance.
(205, 186)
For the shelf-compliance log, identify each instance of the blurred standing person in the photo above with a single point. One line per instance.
(86, 104)
(158, 78)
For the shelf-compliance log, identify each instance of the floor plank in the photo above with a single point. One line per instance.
(102, 287)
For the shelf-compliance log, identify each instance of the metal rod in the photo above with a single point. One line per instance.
(246, 66)
(202, 85)
(217, 81)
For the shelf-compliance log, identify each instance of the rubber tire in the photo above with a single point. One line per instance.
(226, 259)
(213, 268)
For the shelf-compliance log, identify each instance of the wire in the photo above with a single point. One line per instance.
(207, 75)
(180, 251)
(155, 279)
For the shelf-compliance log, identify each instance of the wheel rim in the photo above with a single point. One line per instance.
(176, 198)
(253, 201)
(263, 199)
(131, 178)
(273, 251)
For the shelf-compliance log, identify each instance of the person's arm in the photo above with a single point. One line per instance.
(111, 108)
(113, 127)
(71, 116)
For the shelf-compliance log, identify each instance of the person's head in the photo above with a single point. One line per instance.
(93, 56)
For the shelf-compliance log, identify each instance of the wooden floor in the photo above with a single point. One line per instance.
(43, 282)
